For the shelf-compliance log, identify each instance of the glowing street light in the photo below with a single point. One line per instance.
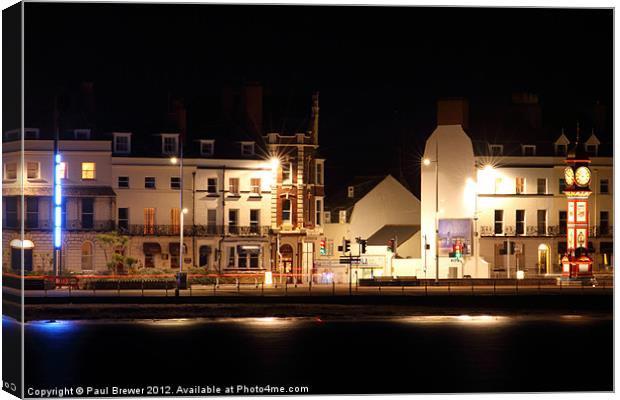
(427, 162)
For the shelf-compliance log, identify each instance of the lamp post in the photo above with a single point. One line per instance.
(427, 162)
(174, 161)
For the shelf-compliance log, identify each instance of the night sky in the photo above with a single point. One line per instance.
(379, 70)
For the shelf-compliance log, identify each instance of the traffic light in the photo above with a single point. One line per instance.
(322, 248)
(457, 251)
(347, 246)
(363, 245)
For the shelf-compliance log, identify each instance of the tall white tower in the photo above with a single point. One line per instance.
(448, 192)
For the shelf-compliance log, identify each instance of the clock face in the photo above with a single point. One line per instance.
(569, 176)
(582, 176)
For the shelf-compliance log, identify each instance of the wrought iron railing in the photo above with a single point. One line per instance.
(197, 230)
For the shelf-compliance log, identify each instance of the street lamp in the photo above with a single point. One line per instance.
(174, 161)
(183, 212)
(427, 162)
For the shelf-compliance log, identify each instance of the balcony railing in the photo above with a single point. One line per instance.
(197, 230)
(554, 230)
(72, 225)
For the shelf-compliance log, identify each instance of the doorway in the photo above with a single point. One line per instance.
(286, 252)
(543, 259)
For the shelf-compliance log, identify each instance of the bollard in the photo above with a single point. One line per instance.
(256, 283)
(142, 287)
(493, 287)
(286, 287)
(516, 286)
(214, 287)
(69, 291)
(472, 287)
(190, 290)
(166, 289)
(560, 285)
(425, 288)
(238, 286)
(582, 282)
(118, 287)
(449, 289)
(333, 288)
(262, 288)
(379, 288)
(217, 281)
(538, 286)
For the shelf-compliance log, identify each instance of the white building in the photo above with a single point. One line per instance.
(506, 193)
(378, 209)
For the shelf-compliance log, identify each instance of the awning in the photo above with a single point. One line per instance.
(18, 244)
(67, 191)
(402, 232)
(151, 248)
(173, 248)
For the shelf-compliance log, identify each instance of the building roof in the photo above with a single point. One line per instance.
(361, 186)
(401, 233)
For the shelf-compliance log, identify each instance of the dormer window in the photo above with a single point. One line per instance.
(81, 134)
(247, 148)
(351, 192)
(496, 149)
(206, 147)
(592, 149)
(169, 144)
(528, 150)
(122, 143)
(11, 135)
(31, 134)
(560, 149)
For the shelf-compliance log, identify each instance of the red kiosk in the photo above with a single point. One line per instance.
(576, 263)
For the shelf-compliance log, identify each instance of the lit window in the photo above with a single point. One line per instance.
(175, 220)
(63, 170)
(519, 185)
(32, 170)
(342, 216)
(10, 171)
(286, 172)
(255, 185)
(233, 186)
(88, 170)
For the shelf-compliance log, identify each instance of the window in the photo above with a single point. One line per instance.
(328, 217)
(520, 219)
(123, 219)
(541, 222)
(591, 149)
(496, 149)
(88, 213)
(11, 135)
(10, 171)
(204, 254)
(81, 134)
(562, 185)
(123, 181)
(560, 149)
(88, 170)
(519, 185)
(255, 186)
(32, 212)
(286, 210)
(604, 221)
(149, 221)
(254, 221)
(175, 222)
(169, 144)
(233, 221)
(319, 173)
(562, 219)
(63, 170)
(342, 216)
(175, 182)
(286, 172)
(149, 182)
(604, 186)
(350, 192)
(31, 133)
(541, 186)
(212, 185)
(122, 143)
(87, 256)
(10, 216)
(206, 147)
(233, 186)
(499, 222)
(318, 212)
(247, 149)
(212, 221)
(33, 170)
(231, 257)
(529, 150)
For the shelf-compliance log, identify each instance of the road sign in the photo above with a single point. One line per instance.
(352, 260)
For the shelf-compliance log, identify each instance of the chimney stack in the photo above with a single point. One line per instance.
(315, 118)
(453, 112)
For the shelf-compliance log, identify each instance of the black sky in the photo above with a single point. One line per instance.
(379, 70)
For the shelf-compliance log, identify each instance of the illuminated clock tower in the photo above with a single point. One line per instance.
(577, 264)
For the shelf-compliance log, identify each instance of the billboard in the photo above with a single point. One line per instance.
(455, 230)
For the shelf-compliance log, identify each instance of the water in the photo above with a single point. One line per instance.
(392, 355)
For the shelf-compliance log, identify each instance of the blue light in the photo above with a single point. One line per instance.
(57, 215)
(58, 195)
(58, 158)
(57, 241)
